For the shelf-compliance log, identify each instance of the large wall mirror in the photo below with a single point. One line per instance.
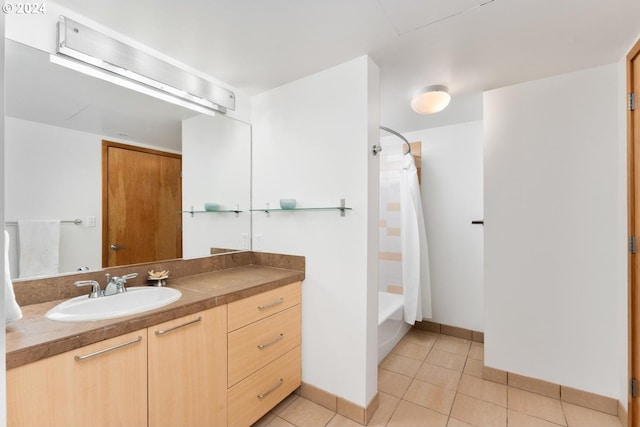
(56, 120)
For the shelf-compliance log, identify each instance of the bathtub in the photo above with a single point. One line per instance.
(391, 326)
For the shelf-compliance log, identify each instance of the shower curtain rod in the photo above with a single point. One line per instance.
(399, 136)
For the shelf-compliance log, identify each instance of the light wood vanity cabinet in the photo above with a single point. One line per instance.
(228, 365)
(170, 374)
(264, 352)
(103, 384)
(187, 368)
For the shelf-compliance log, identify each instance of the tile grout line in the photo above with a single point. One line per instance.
(507, 387)
(393, 412)
(335, 414)
(455, 398)
(564, 415)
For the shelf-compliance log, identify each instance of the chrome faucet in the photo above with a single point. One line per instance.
(115, 285)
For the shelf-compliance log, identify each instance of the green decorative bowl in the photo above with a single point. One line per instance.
(211, 207)
(288, 203)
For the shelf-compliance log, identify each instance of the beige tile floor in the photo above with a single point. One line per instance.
(435, 380)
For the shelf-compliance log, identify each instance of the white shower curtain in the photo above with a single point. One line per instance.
(415, 258)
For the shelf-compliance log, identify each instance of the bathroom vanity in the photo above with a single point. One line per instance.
(224, 354)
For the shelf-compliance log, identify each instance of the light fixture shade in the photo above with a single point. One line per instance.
(88, 46)
(431, 99)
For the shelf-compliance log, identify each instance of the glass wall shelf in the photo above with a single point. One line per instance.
(192, 211)
(342, 208)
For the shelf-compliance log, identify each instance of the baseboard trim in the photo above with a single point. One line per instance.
(623, 415)
(340, 405)
(453, 331)
(564, 393)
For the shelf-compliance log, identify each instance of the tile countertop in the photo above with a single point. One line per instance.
(35, 337)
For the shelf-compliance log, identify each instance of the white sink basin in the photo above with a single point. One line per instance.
(135, 300)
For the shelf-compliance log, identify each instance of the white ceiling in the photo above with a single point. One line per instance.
(468, 45)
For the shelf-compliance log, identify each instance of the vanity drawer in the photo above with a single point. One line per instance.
(258, 344)
(248, 310)
(256, 395)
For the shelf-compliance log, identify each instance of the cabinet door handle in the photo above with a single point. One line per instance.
(166, 331)
(273, 341)
(115, 347)
(268, 392)
(271, 304)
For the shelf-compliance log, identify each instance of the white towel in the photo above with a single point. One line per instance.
(12, 310)
(39, 243)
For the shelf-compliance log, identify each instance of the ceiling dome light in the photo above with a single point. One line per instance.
(431, 99)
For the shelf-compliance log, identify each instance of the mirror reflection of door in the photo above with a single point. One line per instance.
(142, 198)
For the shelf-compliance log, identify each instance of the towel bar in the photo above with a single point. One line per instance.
(76, 221)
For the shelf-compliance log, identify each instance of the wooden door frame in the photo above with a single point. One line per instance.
(633, 307)
(105, 185)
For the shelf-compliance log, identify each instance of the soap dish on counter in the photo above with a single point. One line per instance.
(158, 278)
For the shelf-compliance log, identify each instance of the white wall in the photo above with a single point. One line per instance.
(553, 249)
(622, 321)
(452, 193)
(311, 141)
(622, 300)
(216, 167)
(55, 173)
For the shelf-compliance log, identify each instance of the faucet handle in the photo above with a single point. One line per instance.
(122, 280)
(95, 287)
(130, 276)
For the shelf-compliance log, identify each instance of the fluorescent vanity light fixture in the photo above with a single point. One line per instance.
(431, 99)
(84, 49)
(126, 83)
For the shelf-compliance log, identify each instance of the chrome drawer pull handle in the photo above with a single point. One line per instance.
(271, 304)
(273, 341)
(268, 392)
(166, 331)
(115, 347)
